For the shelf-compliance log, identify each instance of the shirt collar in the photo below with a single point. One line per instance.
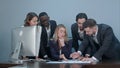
(79, 31)
(96, 31)
(49, 26)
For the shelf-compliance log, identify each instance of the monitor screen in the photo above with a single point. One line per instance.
(27, 39)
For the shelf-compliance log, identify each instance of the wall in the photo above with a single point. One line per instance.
(12, 14)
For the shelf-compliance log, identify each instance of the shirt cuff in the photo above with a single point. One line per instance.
(45, 56)
(79, 52)
(87, 55)
(95, 59)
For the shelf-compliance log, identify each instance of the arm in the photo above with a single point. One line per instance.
(74, 37)
(53, 50)
(106, 43)
(43, 43)
(67, 49)
(84, 44)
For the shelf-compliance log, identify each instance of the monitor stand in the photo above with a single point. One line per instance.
(16, 53)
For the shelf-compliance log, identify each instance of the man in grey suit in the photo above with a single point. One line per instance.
(101, 40)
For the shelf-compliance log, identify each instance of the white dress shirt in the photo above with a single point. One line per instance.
(81, 33)
(95, 36)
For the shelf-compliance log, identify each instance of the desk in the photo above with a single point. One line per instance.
(46, 65)
(7, 63)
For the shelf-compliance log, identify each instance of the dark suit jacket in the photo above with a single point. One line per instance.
(44, 39)
(54, 49)
(75, 36)
(108, 47)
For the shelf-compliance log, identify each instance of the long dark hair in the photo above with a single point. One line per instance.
(29, 17)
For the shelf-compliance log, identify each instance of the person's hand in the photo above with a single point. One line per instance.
(87, 56)
(85, 59)
(80, 58)
(62, 56)
(61, 42)
(91, 60)
(75, 55)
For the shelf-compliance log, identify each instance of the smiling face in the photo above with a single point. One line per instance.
(33, 21)
(44, 20)
(80, 23)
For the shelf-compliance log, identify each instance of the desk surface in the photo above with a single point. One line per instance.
(67, 65)
(7, 63)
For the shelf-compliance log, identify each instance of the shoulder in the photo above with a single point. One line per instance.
(68, 43)
(104, 27)
(52, 42)
(74, 25)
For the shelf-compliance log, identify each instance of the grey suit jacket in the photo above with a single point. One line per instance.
(108, 47)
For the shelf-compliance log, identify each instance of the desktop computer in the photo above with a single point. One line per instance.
(25, 41)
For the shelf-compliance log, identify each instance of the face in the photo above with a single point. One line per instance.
(44, 20)
(80, 23)
(89, 31)
(34, 21)
(61, 33)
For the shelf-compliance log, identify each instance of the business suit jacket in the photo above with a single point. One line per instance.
(55, 51)
(44, 50)
(108, 47)
(75, 36)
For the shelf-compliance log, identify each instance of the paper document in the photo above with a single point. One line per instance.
(69, 61)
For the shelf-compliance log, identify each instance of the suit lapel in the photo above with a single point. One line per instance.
(52, 26)
(98, 34)
(76, 28)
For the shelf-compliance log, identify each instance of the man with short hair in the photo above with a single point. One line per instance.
(102, 41)
(48, 28)
(77, 30)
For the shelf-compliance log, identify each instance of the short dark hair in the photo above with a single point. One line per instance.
(43, 14)
(89, 23)
(80, 16)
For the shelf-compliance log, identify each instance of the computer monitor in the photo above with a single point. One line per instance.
(26, 40)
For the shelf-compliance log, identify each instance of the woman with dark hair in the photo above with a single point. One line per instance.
(31, 19)
(60, 47)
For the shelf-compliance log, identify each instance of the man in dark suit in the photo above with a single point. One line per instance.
(77, 30)
(48, 28)
(102, 41)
